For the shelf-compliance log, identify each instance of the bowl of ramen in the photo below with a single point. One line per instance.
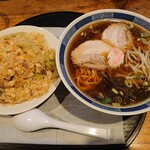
(28, 73)
(103, 58)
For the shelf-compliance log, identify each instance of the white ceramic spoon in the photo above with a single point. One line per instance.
(35, 119)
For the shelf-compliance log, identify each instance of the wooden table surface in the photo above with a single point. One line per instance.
(14, 11)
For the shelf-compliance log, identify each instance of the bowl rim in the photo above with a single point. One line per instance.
(60, 53)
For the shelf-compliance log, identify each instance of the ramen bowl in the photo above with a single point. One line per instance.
(99, 57)
(19, 49)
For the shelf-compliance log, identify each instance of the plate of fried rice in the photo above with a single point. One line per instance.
(28, 73)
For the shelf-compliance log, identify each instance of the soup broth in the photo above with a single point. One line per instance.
(122, 84)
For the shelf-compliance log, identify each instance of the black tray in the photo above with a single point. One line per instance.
(131, 124)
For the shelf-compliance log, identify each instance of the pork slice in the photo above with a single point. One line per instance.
(91, 54)
(119, 35)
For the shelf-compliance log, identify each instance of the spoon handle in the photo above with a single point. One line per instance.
(86, 130)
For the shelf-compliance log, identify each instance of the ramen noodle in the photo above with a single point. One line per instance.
(27, 67)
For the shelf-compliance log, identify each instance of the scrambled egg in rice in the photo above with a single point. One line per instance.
(27, 67)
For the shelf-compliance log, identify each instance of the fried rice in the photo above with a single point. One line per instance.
(27, 67)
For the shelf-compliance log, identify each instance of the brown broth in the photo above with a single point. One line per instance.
(94, 31)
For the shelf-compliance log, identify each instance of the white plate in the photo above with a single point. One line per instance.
(52, 43)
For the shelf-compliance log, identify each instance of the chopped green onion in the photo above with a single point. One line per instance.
(114, 91)
(107, 100)
(128, 83)
(121, 93)
(131, 25)
(117, 99)
(146, 83)
(145, 35)
(137, 76)
(142, 77)
(37, 76)
(52, 65)
(116, 104)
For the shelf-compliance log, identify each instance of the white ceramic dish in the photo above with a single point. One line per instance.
(52, 43)
(61, 57)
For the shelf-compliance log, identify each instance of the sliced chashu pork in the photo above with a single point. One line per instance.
(119, 35)
(91, 54)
